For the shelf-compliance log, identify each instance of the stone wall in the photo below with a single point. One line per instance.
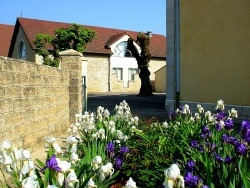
(97, 73)
(37, 100)
(155, 65)
(118, 86)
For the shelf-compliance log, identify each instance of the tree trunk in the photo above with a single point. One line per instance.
(146, 88)
(142, 60)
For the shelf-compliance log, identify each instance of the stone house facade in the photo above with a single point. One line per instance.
(105, 65)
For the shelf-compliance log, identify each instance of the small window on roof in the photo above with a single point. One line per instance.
(122, 50)
(22, 50)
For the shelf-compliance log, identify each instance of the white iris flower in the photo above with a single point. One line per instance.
(173, 177)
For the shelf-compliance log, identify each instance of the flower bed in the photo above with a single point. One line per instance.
(200, 149)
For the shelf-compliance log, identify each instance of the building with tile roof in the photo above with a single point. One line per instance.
(6, 32)
(106, 66)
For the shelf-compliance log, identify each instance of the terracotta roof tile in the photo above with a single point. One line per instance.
(6, 32)
(104, 36)
(112, 39)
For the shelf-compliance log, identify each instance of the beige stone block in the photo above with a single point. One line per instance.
(34, 79)
(24, 67)
(64, 81)
(75, 89)
(1, 105)
(5, 78)
(8, 67)
(7, 105)
(29, 114)
(2, 121)
(74, 97)
(30, 139)
(1, 92)
(24, 79)
(41, 90)
(16, 65)
(18, 104)
(42, 111)
(16, 78)
(50, 90)
(44, 80)
(13, 118)
(74, 82)
(30, 91)
(7, 133)
(47, 100)
(23, 128)
(12, 92)
(43, 70)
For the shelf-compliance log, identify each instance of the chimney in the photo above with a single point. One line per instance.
(149, 33)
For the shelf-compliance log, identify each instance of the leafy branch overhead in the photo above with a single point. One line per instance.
(74, 37)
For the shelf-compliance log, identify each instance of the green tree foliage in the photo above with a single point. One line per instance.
(74, 37)
(41, 42)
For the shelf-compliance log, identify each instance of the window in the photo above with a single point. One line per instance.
(22, 50)
(131, 73)
(121, 50)
(119, 73)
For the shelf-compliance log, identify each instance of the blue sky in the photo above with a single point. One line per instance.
(135, 15)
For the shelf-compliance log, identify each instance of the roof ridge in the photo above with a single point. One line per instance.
(58, 22)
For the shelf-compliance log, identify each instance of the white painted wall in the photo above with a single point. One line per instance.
(123, 62)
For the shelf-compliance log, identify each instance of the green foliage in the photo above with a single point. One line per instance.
(74, 37)
(42, 42)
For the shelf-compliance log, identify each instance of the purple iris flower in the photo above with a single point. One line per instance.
(246, 134)
(200, 148)
(224, 138)
(229, 140)
(181, 108)
(205, 129)
(210, 146)
(245, 124)
(118, 163)
(220, 115)
(190, 166)
(229, 124)
(203, 136)
(218, 126)
(194, 144)
(205, 132)
(241, 149)
(245, 129)
(191, 180)
(204, 186)
(110, 147)
(124, 150)
(228, 160)
(52, 164)
(171, 115)
(218, 158)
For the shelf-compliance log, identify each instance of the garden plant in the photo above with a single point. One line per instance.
(197, 149)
